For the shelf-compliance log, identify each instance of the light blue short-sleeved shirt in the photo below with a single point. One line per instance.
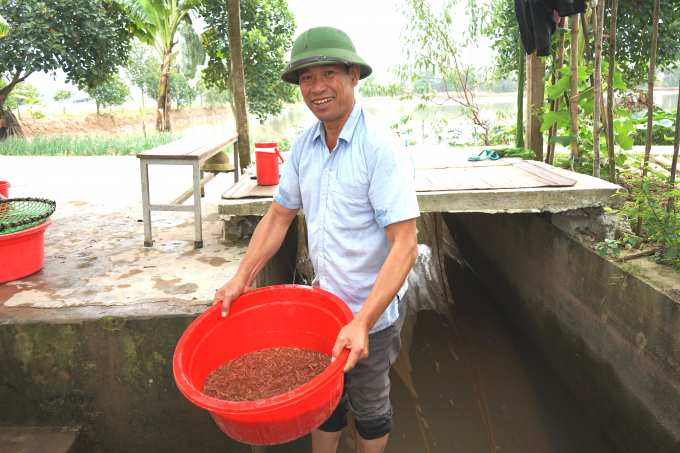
(348, 197)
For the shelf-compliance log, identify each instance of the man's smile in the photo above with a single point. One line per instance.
(323, 101)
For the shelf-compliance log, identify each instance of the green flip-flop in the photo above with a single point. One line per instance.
(484, 155)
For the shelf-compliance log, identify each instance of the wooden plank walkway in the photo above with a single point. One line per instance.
(442, 173)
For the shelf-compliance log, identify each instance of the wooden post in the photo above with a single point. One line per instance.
(519, 133)
(573, 101)
(535, 95)
(598, 12)
(610, 92)
(238, 81)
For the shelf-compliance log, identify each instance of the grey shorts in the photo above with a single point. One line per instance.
(367, 387)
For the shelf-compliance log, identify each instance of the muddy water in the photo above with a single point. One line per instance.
(475, 385)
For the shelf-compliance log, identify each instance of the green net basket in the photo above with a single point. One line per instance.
(17, 214)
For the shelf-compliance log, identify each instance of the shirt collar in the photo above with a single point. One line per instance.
(347, 129)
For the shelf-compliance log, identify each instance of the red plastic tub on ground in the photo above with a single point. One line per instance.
(22, 253)
(4, 188)
(276, 316)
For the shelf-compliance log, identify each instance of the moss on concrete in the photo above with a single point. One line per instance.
(115, 383)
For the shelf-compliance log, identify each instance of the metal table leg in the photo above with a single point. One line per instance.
(202, 188)
(146, 211)
(198, 243)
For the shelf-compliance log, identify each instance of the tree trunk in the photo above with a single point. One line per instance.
(238, 81)
(519, 135)
(610, 91)
(574, 86)
(535, 96)
(676, 146)
(598, 13)
(650, 99)
(97, 107)
(162, 123)
(12, 127)
(587, 50)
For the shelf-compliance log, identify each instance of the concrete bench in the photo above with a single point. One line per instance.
(192, 150)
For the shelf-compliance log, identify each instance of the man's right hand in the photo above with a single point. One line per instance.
(230, 291)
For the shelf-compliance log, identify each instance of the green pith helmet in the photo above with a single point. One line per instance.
(322, 45)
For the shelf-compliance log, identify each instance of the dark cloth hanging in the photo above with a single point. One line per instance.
(536, 21)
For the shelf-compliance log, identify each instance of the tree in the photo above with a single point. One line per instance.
(157, 22)
(11, 101)
(63, 95)
(88, 40)
(212, 96)
(430, 46)
(113, 93)
(182, 93)
(267, 32)
(191, 51)
(143, 69)
(635, 21)
(30, 97)
(4, 27)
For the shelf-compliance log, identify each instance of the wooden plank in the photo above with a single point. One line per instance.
(554, 178)
(189, 192)
(513, 174)
(200, 153)
(177, 149)
(193, 147)
(439, 160)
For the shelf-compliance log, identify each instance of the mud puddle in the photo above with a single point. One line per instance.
(471, 383)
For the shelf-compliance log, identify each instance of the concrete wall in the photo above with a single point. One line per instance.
(108, 372)
(111, 378)
(611, 337)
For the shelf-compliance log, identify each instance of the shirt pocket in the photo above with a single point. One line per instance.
(351, 207)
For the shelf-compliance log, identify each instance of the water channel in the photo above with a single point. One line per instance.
(468, 381)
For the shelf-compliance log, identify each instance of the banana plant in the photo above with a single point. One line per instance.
(157, 22)
(4, 27)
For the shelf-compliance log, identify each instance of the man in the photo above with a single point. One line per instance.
(355, 182)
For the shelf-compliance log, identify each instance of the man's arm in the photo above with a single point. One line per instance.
(403, 253)
(266, 240)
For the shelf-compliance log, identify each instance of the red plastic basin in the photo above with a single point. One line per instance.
(4, 188)
(22, 253)
(272, 317)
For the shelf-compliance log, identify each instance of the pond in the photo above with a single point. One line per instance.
(388, 112)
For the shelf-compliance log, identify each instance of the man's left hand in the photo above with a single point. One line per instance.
(354, 336)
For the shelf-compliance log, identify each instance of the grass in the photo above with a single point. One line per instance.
(66, 145)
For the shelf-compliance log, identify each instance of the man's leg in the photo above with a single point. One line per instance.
(323, 442)
(368, 390)
(371, 446)
(325, 439)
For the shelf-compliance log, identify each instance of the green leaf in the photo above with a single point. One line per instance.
(603, 251)
(564, 140)
(645, 187)
(550, 118)
(672, 252)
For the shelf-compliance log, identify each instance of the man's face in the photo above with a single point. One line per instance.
(328, 90)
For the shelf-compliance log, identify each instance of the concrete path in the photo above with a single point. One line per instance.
(94, 253)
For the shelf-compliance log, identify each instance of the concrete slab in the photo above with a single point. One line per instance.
(94, 253)
(37, 440)
(588, 192)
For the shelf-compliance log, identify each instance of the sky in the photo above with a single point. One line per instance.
(373, 25)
